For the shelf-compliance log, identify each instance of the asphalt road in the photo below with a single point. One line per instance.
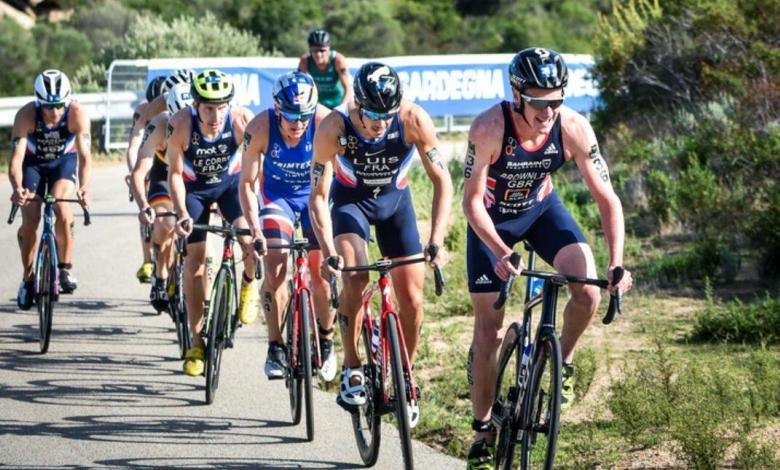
(110, 391)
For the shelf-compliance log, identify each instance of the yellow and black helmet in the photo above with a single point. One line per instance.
(212, 87)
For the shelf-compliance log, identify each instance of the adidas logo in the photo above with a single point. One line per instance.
(551, 149)
(483, 279)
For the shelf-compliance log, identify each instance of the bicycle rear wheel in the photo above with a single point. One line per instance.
(45, 285)
(399, 390)
(542, 407)
(509, 396)
(219, 310)
(366, 422)
(305, 350)
(292, 379)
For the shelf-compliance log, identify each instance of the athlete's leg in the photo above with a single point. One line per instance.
(353, 248)
(482, 367)
(63, 227)
(275, 292)
(162, 237)
(27, 236)
(577, 260)
(195, 287)
(408, 286)
(320, 290)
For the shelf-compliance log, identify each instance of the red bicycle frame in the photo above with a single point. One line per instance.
(300, 281)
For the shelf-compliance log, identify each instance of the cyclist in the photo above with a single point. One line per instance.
(204, 162)
(151, 161)
(513, 149)
(370, 149)
(156, 91)
(51, 143)
(279, 141)
(329, 70)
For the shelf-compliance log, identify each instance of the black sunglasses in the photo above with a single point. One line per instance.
(541, 103)
(54, 105)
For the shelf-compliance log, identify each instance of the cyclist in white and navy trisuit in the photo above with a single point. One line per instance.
(513, 149)
(151, 171)
(51, 143)
(204, 163)
(369, 151)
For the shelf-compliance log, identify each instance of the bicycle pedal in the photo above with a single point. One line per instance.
(229, 343)
(354, 409)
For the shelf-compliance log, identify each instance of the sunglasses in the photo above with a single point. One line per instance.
(294, 117)
(378, 116)
(541, 103)
(53, 106)
(319, 51)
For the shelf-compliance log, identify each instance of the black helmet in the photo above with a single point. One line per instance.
(154, 88)
(537, 67)
(319, 37)
(378, 88)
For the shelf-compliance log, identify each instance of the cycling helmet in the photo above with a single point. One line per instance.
(212, 87)
(179, 76)
(295, 92)
(52, 87)
(537, 67)
(319, 38)
(378, 88)
(154, 88)
(178, 97)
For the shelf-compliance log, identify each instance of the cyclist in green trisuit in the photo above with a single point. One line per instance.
(329, 70)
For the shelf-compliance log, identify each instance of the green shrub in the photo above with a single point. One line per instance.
(738, 322)
(704, 260)
(754, 455)
(764, 382)
(585, 372)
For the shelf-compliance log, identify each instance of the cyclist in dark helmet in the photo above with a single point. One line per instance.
(368, 150)
(513, 149)
(329, 70)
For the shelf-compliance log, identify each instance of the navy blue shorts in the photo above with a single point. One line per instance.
(396, 233)
(157, 191)
(198, 202)
(548, 227)
(278, 215)
(40, 178)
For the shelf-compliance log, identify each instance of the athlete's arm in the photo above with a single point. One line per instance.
(153, 140)
(24, 124)
(241, 117)
(177, 136)
(253, 150)
(579, 142)
(144, 113)
(420, 127)
(326, 146)
(346, 81)
(81, 127)
(484, 147)
(303, 63)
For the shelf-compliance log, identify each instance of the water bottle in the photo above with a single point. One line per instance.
(535, 286)
(526, 354)
(375, 335)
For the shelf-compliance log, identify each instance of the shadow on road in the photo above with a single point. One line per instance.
(113, 364)
(216, 462)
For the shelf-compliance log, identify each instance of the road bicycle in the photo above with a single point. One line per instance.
(221, 318)
(527, 404)
(384, 346)
(47, 282)
(302, 344)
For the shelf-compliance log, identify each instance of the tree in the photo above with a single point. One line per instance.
(18, 57)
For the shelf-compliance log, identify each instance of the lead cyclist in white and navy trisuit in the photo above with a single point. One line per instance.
(51, 144)
(278, 146)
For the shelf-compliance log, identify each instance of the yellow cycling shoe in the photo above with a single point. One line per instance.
(144, 273)
(193, 361)
(249, 303)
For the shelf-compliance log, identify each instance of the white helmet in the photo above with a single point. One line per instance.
(178, 76)
(52, 87)
(178, 97)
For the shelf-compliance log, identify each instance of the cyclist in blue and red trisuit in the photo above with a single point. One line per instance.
(513, 149)
(152, 168)
(369, 149)
(51, 143)
(279, 142)
(204, 162)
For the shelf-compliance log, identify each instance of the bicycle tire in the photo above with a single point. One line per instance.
(399, 390)
(367, 421)
(219, 305)
(45, 291)
(542, 408)
(305, 361)
(291, 380)
(178, 307)
(507, 403)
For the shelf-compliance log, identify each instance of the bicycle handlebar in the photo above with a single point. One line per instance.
(615, 301)
(84, 209)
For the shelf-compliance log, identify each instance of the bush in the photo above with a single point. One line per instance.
(19, 59)
(754, 455)
(737, 322)
(706, 259)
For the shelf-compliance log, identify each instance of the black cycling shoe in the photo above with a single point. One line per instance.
(26, 296)
(159, 296)
(275, 361)
(68, 282)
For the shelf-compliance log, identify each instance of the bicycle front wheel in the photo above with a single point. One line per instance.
(542, 407)
(292, 379)
(45, 294)
(508, 397)
(178, 307)
(306, 359)
(219, 311)
(366, 422)
(399, 390)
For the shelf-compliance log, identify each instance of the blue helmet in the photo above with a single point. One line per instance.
(295, 92)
